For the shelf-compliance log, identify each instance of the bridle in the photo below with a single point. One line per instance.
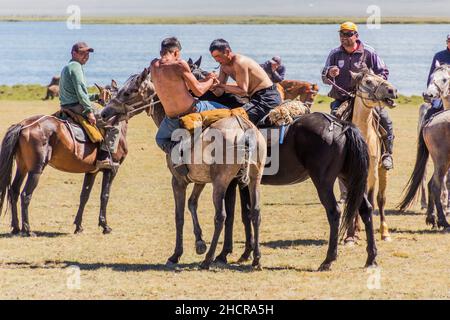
(129, 110)
(371, 95)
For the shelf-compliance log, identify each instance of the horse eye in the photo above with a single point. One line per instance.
(126, 94)
(369, 81)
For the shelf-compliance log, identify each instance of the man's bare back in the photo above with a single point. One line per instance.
(247, 74)
(171, 88)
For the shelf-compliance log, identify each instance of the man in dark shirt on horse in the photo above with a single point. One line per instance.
(353, 55)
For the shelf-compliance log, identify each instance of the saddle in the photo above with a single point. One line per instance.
(80, 128)
(205, 119)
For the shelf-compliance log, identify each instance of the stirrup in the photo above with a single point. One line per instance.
(106, 164)
(387, 157)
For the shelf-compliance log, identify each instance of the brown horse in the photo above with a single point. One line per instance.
(293, 89)
(52, 88)
(433, 140)
(45, 140)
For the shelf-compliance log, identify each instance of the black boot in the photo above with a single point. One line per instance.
(431, 112)
(104, 161)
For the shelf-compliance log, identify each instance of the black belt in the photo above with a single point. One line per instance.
(69, 105)
(272, 87)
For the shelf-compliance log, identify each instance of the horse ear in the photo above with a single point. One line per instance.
(100, 88)
(356, 76)
(198, 62)
(144, 74)
(114, 84)
(190, 62)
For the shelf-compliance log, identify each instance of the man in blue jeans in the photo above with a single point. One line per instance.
(173, 79)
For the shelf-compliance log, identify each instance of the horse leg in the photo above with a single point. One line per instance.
(431, 218)
(255, 216)
(245, 214)
(25, 198)
(13, 197)
(108, 178)
(230, 203)
(219, 191)
(328, 200)
(438, 180)
(423, 194)
(200, 245)
(88, 182)
(381, 201)
(179, 192)
(365, 211)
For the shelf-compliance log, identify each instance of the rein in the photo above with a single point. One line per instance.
(130, 110)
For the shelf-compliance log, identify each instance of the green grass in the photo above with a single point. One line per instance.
(229, 20)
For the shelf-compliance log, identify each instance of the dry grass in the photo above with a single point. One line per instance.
(129, 263)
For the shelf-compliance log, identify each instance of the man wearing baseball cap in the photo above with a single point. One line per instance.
(442, 57)
(74, 96)
(353, 55)
(274, 69)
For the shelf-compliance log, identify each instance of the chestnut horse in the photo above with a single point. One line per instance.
(293, 89)
(45, 140)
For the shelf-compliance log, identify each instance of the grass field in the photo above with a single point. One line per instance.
(130, 262)
(227, 19)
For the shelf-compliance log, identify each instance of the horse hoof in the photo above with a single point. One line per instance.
(78, 230)
(205, 265)
(221, 259)
(256, 266)
(107, 230)
(324, 267)
(243, 259)
(15, 231)
(372, 264)
(200, 247)
(350, 242)
(28, 234)
(386, 238)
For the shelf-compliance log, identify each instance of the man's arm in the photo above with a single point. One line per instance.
(432, 68)
(198, 88)
(223, 78)
(242, 81)
(76, 75)
(329, 63)
(379, 67)
(278, 75)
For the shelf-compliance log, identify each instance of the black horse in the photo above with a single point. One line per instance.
(320, 147)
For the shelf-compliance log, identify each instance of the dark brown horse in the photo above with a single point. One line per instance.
(45, 140)
(320, 147)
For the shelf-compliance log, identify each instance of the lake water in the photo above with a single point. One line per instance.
(32, 52)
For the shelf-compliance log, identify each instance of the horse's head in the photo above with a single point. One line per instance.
(136, 95)
(439, 84)
(107, 92)
(373, 89)
(309, 94)
(198, 73)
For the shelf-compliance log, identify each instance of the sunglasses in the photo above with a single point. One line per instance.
(347, 34)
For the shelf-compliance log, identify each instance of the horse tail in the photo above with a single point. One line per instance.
(356, 168)
(249, 146)
(416, 177)
(7, 153)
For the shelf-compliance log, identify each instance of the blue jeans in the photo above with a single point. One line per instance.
(436, 104)
(334, 105)
(169, 125)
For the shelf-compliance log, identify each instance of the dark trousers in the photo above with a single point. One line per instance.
(261, 102)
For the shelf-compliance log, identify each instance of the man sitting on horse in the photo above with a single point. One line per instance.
(251, 80)
(442, 57)
(353, 55)
(173, 79)
(274, 69)
(74, 98)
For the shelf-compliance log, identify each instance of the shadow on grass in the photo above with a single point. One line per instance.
(38, 234)
(280, 244)
(424, 231)
(138, 267)
(402, 213)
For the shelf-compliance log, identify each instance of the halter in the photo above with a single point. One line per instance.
(372, 96)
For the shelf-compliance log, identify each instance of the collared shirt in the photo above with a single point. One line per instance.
(277, 75)
(73, 88)
(354, 61)
(441, 57)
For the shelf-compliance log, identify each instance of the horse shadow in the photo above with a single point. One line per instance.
(37, 234)
(424, 231)
(284, 244)
(401, 213)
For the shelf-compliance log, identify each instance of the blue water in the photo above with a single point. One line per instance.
(32, 52)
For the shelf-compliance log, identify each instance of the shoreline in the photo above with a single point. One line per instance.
(226, 20)
(35, 92)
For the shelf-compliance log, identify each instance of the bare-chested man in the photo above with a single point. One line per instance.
(251, 80)
(173, 79)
